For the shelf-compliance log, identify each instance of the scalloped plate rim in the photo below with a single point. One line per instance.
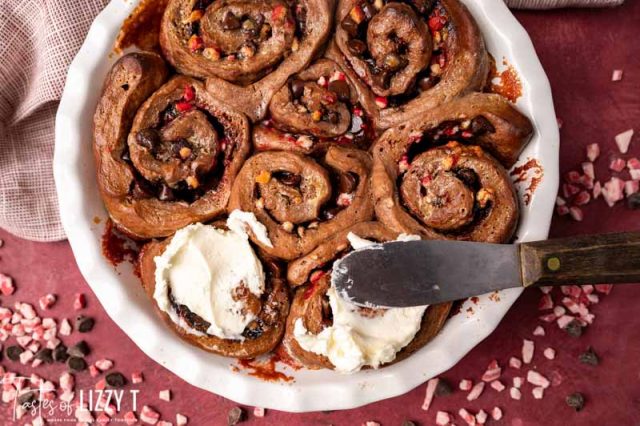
(125, 302)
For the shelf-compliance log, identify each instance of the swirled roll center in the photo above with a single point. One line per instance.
(257, 31)
(441, 198)
(185, 147)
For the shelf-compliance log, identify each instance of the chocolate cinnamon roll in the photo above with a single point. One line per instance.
(312, 313)
(239, 308)
(302, 201)
(409, 56)
(166, 153)
(318, 107)
(247, 49)
(438, 177)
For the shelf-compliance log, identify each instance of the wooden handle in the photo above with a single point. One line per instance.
(591, 259)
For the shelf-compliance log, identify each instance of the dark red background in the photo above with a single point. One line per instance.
(578, 49)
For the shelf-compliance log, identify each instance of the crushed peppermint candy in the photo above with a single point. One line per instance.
(431, 389)
(539, 331)
(476, 391)
(6, 285)
(496, 413)
(616, 75)
(538, 392)
(165, 395)
(497, 385)
(47, 301)
(80, 302)
(465, 384)
(593, 151)
(527, 351)
(515, 393)
(549, 353)
(623, 140)
(481, 417)
(182, 420)
(517, 382)
(443, 418)
(515, 362)
(493, 372)
(469, 418)
(149, 415)
(537, 379)
(258, 411)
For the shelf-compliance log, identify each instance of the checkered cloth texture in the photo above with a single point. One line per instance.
(38, 40)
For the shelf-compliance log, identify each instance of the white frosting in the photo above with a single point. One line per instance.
(239, 221)
(355, 340)
(203, 266)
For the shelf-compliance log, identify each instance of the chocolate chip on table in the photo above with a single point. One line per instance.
(60, 353)
(116, 380)
(230, 21)
(633, 201)
(45, 355)
(357, 47)
(589, 357)
(84, 324)
(80, 349)
(148, 138)
(76, 363)
(575, 401)
(26, 398)
(443, 388)
(341, 89)
(574, 329)
(13, 352)
(236, 415)
(350, 26)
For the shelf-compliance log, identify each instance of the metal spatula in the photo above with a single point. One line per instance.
(414, 273)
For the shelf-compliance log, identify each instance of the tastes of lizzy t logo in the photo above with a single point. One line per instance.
(40, 401)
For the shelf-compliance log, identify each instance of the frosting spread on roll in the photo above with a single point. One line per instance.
(215, 274)
(359, 336)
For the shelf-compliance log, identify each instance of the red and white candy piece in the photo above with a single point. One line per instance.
(493, 372)
(593, 151)
(617, 164)
(538, 392)
(465, 385)
(469, 418)
(443, 418)
(481, 417)
(623, 140)
(104, 364)
(496, 413)
(182, 420)
(515, 363)
(136, 378)
(47, 301)
(149, 415)
(429, 393)
(537, 379)
(475, 392)
(527, 351)
(165, 395)
(6, 285)
(130, 418)
(515, 393)
(79, 302)
(549, 353)
(497, 385)
(616, 75)
(258, 411)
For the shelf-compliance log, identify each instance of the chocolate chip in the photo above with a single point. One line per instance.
(13, 352)
(148, 138)
(423, 6)
(347, 183)
(469, 177)
(80, 349)
(350, 26)
(141, 190)
(574, 329)
(575, 401)
(480, 125)
(259, 18)
(60, 353)
(633, 201)
(443, 388)
(341, 89)
(84, 324)
(76, 363)
(290, 179)
(297, 88)
(357, 47)
(426, 83)
(368, 10)
(166, 193)
(45, 355)
(236, 415)
(26, 398)
(116, 380)
(589, 357)
(230, 21)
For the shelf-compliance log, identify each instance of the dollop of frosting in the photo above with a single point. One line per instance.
(359, 336)
(209, 270)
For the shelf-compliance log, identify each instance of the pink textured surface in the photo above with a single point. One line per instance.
(579, 50)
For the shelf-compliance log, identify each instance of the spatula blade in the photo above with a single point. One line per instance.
(415, 273)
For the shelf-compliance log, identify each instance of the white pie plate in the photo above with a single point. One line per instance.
(120, 292)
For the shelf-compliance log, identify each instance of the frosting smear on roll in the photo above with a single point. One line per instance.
(360, 336)
(215, 274)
